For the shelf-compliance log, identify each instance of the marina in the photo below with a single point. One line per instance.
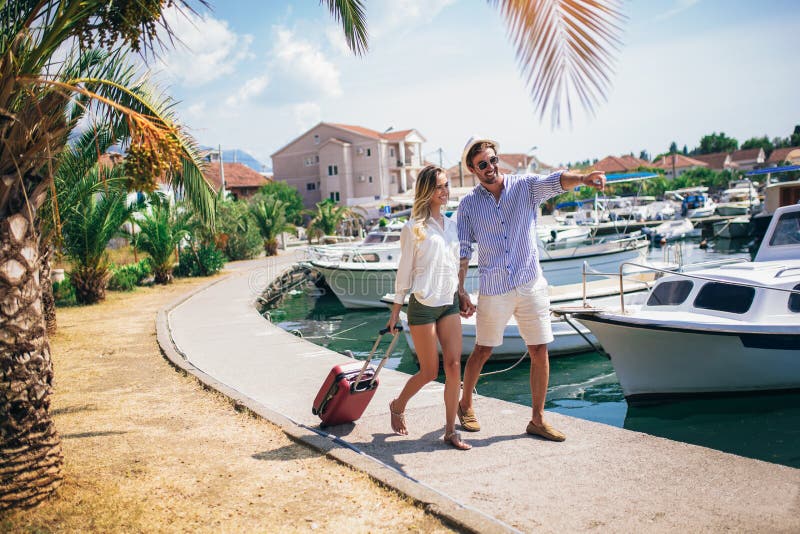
(583, 385)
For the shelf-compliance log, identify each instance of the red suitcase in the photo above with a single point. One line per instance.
(349, 387)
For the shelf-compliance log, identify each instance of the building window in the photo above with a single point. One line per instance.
(335, 196)
(333, 170)
(311, 161)
(369, 152)
(311, 186)
(316, 158)
(391, 152)
(394, 179)
(316, 139)
(370, 179)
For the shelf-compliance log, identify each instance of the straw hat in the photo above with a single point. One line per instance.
(474, 140)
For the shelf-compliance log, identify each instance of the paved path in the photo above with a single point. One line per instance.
(602, 478)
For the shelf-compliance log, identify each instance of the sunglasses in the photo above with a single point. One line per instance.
(492, 161)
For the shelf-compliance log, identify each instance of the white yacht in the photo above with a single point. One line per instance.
(360, 278)
(695, 202)
(724, 329)
(672, 230)
(569, 337)
(740, 198)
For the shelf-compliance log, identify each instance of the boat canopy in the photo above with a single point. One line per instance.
(771, 170)
(629, 177)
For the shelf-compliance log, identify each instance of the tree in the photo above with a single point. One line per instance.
(290, 197)
(92, 214)
(42, 97)
(162, 227)
(759, 142)
(673, 147)
(270, 215)
(685, 151)
(794, 139)
(328, 216)
(715, 142)
(644, 155)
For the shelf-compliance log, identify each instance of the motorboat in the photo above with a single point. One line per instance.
(740, 198)
(695, 202)
(698, 206)
(570, 337)
(562, 235)
(733, 228)
(382, 243)
(360, 279)
(719, 329)
(671, 230)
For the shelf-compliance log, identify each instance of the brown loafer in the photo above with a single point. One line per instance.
(546, 431)
(468, 420)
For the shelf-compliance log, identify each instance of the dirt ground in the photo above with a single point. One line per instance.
(147, 449)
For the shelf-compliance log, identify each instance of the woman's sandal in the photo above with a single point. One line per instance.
(454, 440)
(398, 421)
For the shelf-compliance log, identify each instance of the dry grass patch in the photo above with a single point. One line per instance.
(148, 449)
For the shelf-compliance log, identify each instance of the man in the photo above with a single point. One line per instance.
(500, 216)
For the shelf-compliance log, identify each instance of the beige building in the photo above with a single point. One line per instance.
(351, 165)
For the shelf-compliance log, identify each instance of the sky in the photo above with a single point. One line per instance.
(255, 75)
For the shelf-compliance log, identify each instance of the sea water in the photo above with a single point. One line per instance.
(763, 426)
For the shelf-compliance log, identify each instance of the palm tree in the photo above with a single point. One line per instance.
(562, 45)
(328, 216)
(95, 214)
(269, 213)
(41, 101)
(162, 227)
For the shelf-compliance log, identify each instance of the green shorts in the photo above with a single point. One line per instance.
(420, 314)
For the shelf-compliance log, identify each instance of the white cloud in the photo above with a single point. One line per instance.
(337, 41)
(252, 87)
(680, 5)
(306, 115)
(404, 15)
(205, 49)
(303, 70)
(198, 109)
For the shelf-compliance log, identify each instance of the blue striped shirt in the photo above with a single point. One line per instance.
(505, 230)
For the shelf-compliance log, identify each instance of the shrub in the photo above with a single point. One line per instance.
(126, 277)
(237, 235)
(64, 293)
(204, 261)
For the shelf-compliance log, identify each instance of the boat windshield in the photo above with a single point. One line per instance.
(787, 232)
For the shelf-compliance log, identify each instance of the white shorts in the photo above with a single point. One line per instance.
(530, 307)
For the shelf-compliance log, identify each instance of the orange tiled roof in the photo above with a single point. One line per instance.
(396, 136)
(716, 160)
(781, 154)
(236, 175)
(614, 164)
(681, 162)
(389, 136)
(748, 153)
(110, 159)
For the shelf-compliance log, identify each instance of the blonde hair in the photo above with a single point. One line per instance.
(424, 191)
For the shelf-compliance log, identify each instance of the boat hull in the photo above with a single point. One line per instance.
(653, 361)
(566, 340)
(360, 285)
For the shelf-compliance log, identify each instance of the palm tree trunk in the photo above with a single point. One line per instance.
(48, 299)
(30, 447)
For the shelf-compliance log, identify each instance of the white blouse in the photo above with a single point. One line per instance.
(428, 267)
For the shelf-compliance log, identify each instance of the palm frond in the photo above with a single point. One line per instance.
(565, 49)
(354, 23)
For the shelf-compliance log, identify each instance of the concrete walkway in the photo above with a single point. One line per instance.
(602, 478)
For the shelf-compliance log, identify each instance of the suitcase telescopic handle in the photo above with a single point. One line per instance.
(397, 330)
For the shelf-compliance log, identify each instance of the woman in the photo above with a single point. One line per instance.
(428, 269)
